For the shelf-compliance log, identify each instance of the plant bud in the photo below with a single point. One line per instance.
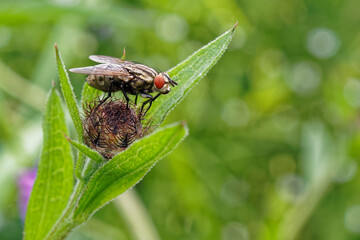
(111, 126)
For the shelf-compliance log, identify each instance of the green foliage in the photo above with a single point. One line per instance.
(255, 166)
(69, 95)
(127, 168)
(70, 100)
(103, 180)
(188, 73)
(54, 182)
(89, 94)
(92, 154)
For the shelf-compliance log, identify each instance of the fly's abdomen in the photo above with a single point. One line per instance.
(141, 85)
(104, 83)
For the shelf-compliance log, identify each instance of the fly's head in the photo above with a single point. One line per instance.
(162, 83)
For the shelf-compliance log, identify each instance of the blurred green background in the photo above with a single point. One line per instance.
(273, 151)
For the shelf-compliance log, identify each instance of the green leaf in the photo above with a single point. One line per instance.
(89, 166)
(89, 94)
(127, 168)
(69, 95)
(70, 100)
(92, 154)
(187, 74)
(54, 182)
(87, 97)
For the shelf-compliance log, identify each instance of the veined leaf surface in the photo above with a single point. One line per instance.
(54, 182)
(127, 168)
(69, 95)
(188, 73)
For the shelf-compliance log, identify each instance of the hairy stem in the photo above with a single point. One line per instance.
(65, 224)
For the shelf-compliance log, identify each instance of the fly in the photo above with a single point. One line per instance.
(116, 74)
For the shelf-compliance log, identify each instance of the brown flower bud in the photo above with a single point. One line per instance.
(111, 126)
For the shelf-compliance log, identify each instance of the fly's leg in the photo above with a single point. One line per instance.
(150, 101)
(126, 97)
(136, 99)
(102, 101)
(144, 95)
(109, 93)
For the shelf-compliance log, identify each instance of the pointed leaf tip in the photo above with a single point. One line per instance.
(233, 29)
(188, 73)
(185, 126)
(123, 56)
(56, 50)
(183, 123)
(67, 138)
(54, 181)
(69, 94)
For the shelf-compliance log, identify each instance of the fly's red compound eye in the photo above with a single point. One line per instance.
(159, 81)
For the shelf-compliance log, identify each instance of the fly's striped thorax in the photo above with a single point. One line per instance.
(143, 72)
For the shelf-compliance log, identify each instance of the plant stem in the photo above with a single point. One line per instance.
(80, 166)
(65, 223)
(61, 230)
(90, 167)
(136, 216)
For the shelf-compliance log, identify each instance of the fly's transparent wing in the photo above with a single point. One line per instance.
(137, 69)
(103, 69)
(106, 59)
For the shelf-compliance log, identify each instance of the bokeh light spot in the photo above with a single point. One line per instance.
(236, 113)
(171, 28)
(322, 43)
(235, 231)
(346, 172)
(234, 191)
(352, 92)
(5, 36)
(290, 187)
(304, 78)
(34, 133)
(352, 216)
